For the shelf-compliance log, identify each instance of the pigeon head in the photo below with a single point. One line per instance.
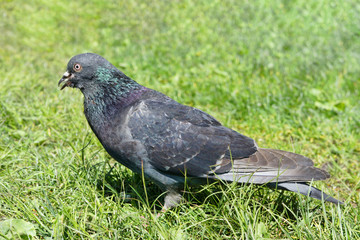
(90, 72)
(82, 70)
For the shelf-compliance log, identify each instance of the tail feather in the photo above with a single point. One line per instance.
(304, 189)
(277, 169)
(271, 165)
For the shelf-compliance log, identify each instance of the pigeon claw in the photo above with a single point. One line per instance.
(66, 80)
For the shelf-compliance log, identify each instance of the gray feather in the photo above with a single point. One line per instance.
(304, 189)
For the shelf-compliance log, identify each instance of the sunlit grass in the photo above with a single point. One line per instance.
(285, 73)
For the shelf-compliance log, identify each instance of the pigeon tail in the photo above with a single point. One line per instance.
(271, 165)
(304, 189)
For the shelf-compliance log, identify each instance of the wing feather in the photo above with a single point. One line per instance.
(181, 139)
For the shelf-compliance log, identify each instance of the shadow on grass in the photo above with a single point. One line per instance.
(123, 186)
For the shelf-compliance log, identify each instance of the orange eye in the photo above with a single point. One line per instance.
(77, 67)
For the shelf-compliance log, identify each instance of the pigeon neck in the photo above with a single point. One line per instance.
(111, 92)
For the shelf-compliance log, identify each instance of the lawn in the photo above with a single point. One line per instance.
(286, 73)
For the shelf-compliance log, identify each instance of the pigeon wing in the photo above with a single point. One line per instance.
(183, 140)
(186, 141)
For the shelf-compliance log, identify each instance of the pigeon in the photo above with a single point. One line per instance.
(173, 144)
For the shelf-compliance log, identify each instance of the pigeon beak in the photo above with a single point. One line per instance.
(66, 79)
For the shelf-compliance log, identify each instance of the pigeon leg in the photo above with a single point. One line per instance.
(172, 199)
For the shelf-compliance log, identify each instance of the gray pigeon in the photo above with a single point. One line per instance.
(149, 132)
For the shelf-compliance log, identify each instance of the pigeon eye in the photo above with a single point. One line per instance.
(77, 67)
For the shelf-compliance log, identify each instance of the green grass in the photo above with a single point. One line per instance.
(286, 73)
